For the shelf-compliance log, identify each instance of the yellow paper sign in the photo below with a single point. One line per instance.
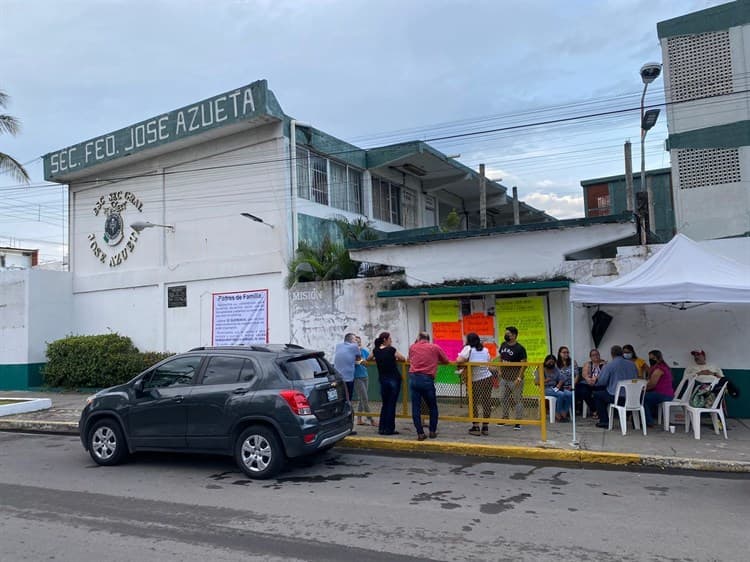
(526, 314)
(442, 310)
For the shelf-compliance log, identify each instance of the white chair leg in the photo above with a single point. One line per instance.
(696, 424)
(715, 422)
(664, 414)
(723, 424)
(643, 419)
(610, 408)
(584, 410)
(623, 420)
(636, 421)
(687, 420)
(660, 412)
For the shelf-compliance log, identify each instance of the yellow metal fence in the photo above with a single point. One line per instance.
(513, 393)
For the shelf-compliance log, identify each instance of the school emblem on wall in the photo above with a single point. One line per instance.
(113, 207)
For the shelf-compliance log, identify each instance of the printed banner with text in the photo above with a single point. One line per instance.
(526, 314)
(240, 318)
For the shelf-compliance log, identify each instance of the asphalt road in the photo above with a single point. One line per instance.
(56, 504)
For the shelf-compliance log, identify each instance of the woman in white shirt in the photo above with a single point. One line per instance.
(481, 379)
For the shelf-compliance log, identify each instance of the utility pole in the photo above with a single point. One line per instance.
(482, 198)
(516, 207)
(628, 176)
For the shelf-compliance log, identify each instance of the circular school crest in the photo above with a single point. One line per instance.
(113, 228)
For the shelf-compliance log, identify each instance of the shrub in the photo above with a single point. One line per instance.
(95, 361)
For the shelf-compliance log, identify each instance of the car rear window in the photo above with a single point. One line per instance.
(305, 368)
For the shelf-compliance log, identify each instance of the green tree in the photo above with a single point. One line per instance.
(9, 124)
(325, 263)
(452, 222)
(358, 229)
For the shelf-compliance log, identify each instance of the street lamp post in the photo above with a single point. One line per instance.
(649, 72)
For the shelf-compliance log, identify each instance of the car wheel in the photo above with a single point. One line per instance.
(258, 452)
(106, 443)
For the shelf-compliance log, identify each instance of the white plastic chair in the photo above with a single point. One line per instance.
(680, 400)
(635, 392)
(552, 407)
(693, 415)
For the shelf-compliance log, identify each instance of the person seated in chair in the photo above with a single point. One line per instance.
(701, 367)
(619, 369)
(554, 382)
(659, 386)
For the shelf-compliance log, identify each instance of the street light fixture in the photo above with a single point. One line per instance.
(649, 72)
(140, 226)
(256, 219)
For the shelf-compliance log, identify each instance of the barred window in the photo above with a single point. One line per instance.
(319, 185)
(408, 208)
(707, 167)
(327, 182)
(386, 201)
(700, 66)
(303, 173)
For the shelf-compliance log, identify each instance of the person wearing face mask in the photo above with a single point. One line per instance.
(628, 352)
(554, 382)
(659, 386)
(511, 378)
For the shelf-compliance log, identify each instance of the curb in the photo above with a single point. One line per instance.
(464, 449)
(545, 454)
(36, 426)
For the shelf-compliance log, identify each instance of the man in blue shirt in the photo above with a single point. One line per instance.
(345, 358)
(619, 369)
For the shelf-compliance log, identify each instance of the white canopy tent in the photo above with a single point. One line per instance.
(681, 273)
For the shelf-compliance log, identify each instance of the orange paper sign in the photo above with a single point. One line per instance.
(480, 324)
(446, 331)
(492, 348)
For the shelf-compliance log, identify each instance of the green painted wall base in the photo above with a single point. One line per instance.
(21, 377)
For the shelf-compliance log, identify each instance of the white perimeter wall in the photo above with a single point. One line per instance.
(35, 308)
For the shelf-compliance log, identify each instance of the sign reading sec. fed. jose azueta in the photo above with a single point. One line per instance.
(231, 107)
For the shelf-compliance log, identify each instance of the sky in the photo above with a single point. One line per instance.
(371, 72)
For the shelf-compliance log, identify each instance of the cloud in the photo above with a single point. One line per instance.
(559, 206)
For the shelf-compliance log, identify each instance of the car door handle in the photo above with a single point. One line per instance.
(240, 391)
(178, 398)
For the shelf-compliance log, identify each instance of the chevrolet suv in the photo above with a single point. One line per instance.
(261, 404)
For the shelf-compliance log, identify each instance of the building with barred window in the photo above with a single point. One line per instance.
(183, 226)
(707, 90)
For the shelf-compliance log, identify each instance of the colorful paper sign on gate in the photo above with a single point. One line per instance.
(480, 324)
(442, 310)
(446, 331)
(451, 347)
(526, 314)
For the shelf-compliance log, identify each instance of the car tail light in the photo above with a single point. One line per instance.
(297, 402)
(309, 438)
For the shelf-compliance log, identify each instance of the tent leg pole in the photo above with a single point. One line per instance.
(573, 386)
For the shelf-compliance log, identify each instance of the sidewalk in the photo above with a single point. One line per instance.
(595, 446)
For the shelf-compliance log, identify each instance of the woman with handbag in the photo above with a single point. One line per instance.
(389, 375)
(481, 380)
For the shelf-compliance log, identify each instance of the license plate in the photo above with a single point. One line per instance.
(333, 395)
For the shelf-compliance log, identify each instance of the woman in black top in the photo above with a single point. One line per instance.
(389, 375)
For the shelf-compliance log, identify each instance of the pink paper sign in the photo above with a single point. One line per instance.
(451, 347)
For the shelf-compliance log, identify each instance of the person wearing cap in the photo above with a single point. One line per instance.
(701, 367)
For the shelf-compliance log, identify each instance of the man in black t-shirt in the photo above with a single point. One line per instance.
(511, 378)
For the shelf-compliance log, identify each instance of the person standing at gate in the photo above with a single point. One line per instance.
(424, 358)
(511, 378)
(345, 357)
(389, 375)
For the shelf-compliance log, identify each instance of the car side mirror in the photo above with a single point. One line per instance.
(138, 386)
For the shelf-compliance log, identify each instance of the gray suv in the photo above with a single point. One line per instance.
(261, 404)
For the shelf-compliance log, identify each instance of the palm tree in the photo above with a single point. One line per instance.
(325, 263)
(9, 124)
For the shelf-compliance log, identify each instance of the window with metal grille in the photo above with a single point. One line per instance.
(386, 201)
(303, 173)
(327, 182)
(707, 167)
(319, 185)
(700, 66)
(408, 208)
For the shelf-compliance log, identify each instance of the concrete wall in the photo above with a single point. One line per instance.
(201, 191)
(323, 312)
(14, 327)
